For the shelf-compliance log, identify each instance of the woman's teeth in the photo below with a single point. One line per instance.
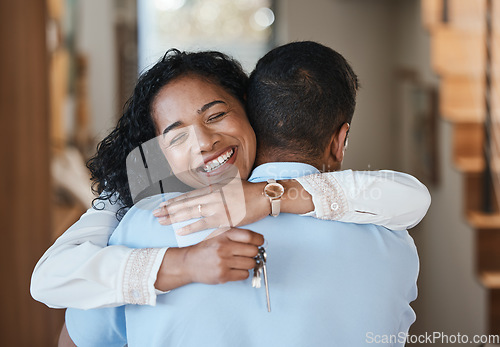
(219, 161)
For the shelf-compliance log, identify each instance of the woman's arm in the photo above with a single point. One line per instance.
(80, 271)
(392, 199)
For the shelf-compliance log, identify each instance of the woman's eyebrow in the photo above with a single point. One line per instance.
(201, 110)
(210, 104)
(171, 126)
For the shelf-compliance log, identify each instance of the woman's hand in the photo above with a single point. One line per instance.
(226, 257)
(218, 206)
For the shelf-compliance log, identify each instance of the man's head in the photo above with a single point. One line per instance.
(301, 100)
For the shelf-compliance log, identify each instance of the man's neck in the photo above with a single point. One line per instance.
(280, 156)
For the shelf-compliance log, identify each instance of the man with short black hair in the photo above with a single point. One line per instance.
(299, 96)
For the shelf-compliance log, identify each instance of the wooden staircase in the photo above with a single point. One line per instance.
(465, 53)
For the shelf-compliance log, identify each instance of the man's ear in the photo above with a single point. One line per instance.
(338, 144)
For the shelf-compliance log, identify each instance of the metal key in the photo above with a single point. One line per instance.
(256, 279)
(260, 271)
(264, 270)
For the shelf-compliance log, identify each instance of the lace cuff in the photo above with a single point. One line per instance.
(327, 194)
(136, 278)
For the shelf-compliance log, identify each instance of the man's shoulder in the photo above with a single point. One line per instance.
(152, 202)
(146, 206)
(139, 226)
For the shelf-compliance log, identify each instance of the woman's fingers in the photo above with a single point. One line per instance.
(226, 209)
(247, 247)
(187, 213)
(242, 263)
(212, 220)
(238, 275)
(217, 232)
(224, 258)
(213, 215)
(168, 208)
(201, 195)
(192, 194)
(245, 236)
(199, 225)
(246, 250)
(161, 211)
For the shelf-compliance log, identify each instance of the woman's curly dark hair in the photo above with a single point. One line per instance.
(135, 127)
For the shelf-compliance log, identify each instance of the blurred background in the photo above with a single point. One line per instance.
(427, 107)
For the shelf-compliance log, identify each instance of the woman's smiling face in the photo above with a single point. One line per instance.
(203, 131)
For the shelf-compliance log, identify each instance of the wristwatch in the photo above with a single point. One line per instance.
(274, 191)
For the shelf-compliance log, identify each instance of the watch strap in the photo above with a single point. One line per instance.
(275, 207)
(275, 203)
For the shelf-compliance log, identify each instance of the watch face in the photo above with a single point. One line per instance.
(274, 190)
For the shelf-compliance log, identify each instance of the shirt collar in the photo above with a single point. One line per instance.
(281, 171)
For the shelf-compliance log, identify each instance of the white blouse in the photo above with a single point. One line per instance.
(81, 271)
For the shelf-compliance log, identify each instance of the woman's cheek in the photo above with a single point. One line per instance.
(174, 162)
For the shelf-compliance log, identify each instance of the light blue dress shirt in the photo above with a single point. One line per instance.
(331, 284)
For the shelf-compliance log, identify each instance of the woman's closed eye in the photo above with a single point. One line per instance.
(216, 117)
(178, 139)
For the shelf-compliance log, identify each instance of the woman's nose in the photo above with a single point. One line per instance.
(207, 138)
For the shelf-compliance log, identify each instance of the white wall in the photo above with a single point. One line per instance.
(359, 30)
(96, 38)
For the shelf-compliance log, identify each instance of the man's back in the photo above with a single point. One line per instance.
(331, 284)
